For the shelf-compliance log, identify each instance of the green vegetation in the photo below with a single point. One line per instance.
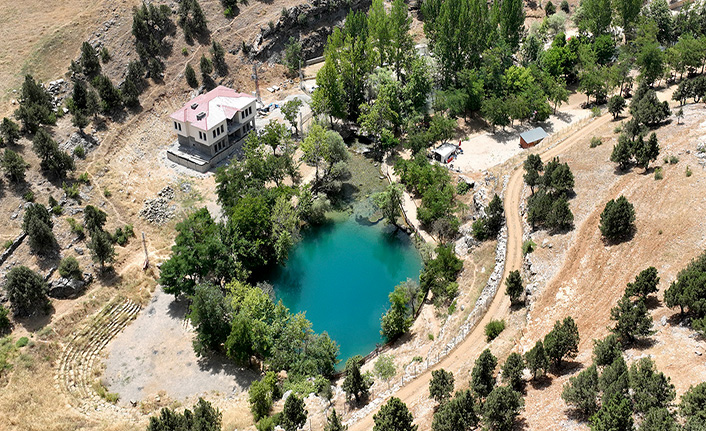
(441, 386)
(5, 324)
(562, 341)
(688, 294)
(35, 107)
(385, 368)
(53, 160)
(617, 220)
(399, 317)
(549, 207)
(483, 374)
(294, 414)
(394, 416)
(513, 286)
(191, 19)
(9, 132)
(69, 268)
(493, 329)
(150, 25)
(595, 141)
(204, 418)
(528, 247)
(356, 385)
(14, 166)
(27, 291)
(37, 223)
(488, 227)
(439, 274)
(512, 371)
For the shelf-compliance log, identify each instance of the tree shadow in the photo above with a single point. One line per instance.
(109, 277)
(643, 343)
(616, 241)
(576, 415)
(622, 171)
(567, 367)
(36, 322)
(178, 308)
(520, 424)
(677, 319)
(653, 302)
(541, 382)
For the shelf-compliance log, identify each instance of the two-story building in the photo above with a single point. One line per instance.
(210, 127)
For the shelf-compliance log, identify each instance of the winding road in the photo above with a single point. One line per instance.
(469, 349)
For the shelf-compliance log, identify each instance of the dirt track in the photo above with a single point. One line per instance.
(465, 353)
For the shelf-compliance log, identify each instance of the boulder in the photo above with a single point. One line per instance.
(63, 288)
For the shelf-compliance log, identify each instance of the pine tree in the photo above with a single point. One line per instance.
(101, 247)
(483, 374)
(191, 76)
(513, 286)
(632, 319)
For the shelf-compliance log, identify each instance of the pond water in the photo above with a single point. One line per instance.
(341, 273)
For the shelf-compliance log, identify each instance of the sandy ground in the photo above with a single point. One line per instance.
(155, 354)
(486, 149)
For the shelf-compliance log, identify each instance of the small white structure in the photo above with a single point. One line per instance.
(210, 127)
(444, 153)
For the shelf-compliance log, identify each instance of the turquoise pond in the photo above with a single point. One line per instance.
(340, 274)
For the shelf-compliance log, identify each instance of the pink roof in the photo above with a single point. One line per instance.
(218, 104)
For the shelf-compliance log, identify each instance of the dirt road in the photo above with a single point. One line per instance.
(466, 352)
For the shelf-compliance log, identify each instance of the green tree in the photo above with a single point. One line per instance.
(69, 268)
(389, 201)
(459, 414)
(511, 21)
(111, 99)
(35, 105)
(501, 408)
(14, 166)
(632, 319)
(536, 359)
(9, 131)
(204, 418)
(356, 384)
(692, 406)
(290, 109)
(628, 10)
(617, 219)
(613, 415)
(581, 392)
(622, 152)
(89, 60)
(5, 323)
(101, 247)
(93, 218)
(441, 385)
(614, 380)
(607, 350)
(645, 283)
(293, 55)
(533, 166)
(294, 414)
(483, 374)
(560, 215)
(616, 105)
(513, 370)
(38, 225)
(394, 416)
(209, 314)
(329, 96)
(325, 150)
(595, 17)
(260, 398)
(549, 8)
(647, 152)
(562, 341)
(191, 76)
(385, 368)
(26, 290)
(659, 420)
(400, 51)
(206, 67)
(650, 388)
(647, 109)
(513, 286)
(398, 318)
(334, 422)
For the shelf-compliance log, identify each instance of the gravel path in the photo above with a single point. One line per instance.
(155, 354)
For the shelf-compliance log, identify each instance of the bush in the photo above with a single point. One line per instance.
(549, 8)
(658, 174)
(76, 227)
(564, 6)
(618, 219)
(71, 191)
(107, 193)
(28, 196)
(673, 160)
(595, 141)
(596, 111)
(57, 210)
(528, 247)
(4, 320)
(493, 329)
(79, 151)
(688, 171)
(83, 178)
(7, 244)
(23, 341)
(69, 268)
(462, 187)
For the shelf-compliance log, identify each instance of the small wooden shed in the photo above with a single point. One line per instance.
(532, 137)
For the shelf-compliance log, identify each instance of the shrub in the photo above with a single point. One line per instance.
(79, 151)
(26, 290)
(184, 51)
(564, 6)
(83, 178)
(528, 247)
(4, 320)
(596, 111)
(107, 193)
(688, 171)
(69, 268)
(673, 160)
(102, 392)
(595, 141)
(76, 227)
(28, 196)
(57, 210)
(658, 174)
(549, 8)
(493, 329)
(23, 341)
(71, 191)
(462, 187)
